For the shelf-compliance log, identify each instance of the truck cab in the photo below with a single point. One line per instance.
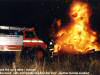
(30, 39)
(33, 46)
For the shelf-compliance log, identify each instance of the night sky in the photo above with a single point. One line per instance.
(41, 13)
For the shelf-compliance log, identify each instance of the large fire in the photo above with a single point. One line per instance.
(77, 37)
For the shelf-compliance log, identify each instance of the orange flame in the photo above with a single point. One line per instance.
(77, 37)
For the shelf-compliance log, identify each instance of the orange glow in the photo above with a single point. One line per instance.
(59, 23)
(77, 37)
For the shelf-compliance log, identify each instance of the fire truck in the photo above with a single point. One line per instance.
(22, 40)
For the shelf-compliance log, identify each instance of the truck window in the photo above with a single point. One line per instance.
(30, 35)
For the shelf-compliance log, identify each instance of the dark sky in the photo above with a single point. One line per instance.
(30, 11)
(41, 13)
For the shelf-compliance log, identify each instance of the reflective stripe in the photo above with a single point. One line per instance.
(40, 41)
(10, 47)
(9, 50)
(51, 49)
(27, 41)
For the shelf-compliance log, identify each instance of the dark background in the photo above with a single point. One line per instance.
(41, 14)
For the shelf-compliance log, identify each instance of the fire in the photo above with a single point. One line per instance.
(77, 37)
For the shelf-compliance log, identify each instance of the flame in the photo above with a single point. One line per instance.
(77, 37)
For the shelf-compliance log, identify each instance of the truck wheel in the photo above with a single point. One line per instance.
(39, 54)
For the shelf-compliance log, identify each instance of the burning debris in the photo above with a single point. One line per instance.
(77, 37)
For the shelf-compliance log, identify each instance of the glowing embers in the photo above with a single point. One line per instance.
(77, 37)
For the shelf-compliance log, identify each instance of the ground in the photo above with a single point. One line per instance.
(59, 63)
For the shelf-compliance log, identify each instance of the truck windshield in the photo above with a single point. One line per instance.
(30, 35)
